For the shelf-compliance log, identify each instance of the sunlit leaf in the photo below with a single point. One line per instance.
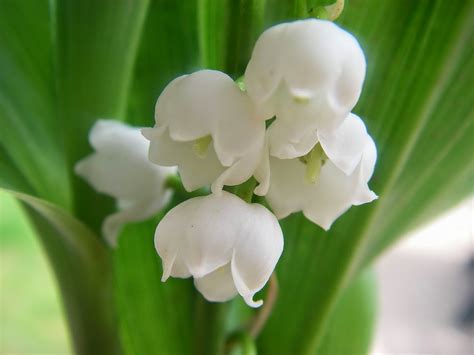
(82, 267)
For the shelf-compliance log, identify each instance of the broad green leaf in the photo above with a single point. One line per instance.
(83, 270)
(10, 177)
(96, 44)
(350, 329)
(155, 317)
(168, 48)
(154, 314)
(227, 31)
(30, 137)
(416, 104)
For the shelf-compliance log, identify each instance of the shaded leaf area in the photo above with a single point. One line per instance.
(96, 44)
(155, 317)
(350, 329)
(168, 48)
(227, 33)
(82, 267)
(153, 314)
(30, 141)
(417, 106)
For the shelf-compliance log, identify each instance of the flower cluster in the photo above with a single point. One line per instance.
(289, 126)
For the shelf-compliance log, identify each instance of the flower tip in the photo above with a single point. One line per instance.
(79, 168)
(216, 187)
(252, 303)
(261, 189)
(152, 133)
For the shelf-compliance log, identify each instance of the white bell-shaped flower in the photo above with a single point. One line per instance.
(207, 127)
(327, 181)
(228, 246)
(309, 75)
(119, 167)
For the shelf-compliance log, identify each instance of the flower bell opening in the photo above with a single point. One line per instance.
(314, 161)
(201, 146)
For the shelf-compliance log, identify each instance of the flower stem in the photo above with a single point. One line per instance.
(210, 331)
(262, 316)
(245, 190)
(241, 341)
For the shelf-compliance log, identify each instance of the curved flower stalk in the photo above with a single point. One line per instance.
(327, 181)
(119, 167)
(228, 246)
(309, 74)
(207, 127)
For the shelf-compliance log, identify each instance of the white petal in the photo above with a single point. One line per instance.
(195, 171)
(263, 75)
(206, 103)
(323, 202)
(131, 212)
(241, 170)
(369, 158)
(345, 144)
(288, 189)
(305, 71)
(205, 236)
(262, 173)
(332, 196)
(202, 231)
(218, 286)
(105, 134)
(289, 140)
(321, 55)
(256, 253)
(119, 167)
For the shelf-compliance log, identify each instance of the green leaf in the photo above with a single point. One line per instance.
(227, 32)
(30, 137)
(83, 270)
(417, 105)
(96, 44)
(168, 48)
(155, 317)
(350, 329)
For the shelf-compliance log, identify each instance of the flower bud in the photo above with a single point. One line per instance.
(228, 246)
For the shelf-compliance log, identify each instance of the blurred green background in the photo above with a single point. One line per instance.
(30, 313)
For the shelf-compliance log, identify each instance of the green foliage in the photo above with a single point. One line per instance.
(71, 62)
(82, 268)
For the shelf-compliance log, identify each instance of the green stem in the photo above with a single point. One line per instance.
(241, 341)
(245, 190)
(210, 330)
(301, 9)
(245, 23)
(174, 183)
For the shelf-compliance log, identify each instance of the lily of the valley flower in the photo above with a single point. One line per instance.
(207, 127)
(309, 75)
(119, 167)
(228, 246)
(328, 180)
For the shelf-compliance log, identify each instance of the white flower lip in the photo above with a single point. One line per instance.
(342, 181)
(307, 73)
(228, 246)
(206, 103)
(119, 168)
